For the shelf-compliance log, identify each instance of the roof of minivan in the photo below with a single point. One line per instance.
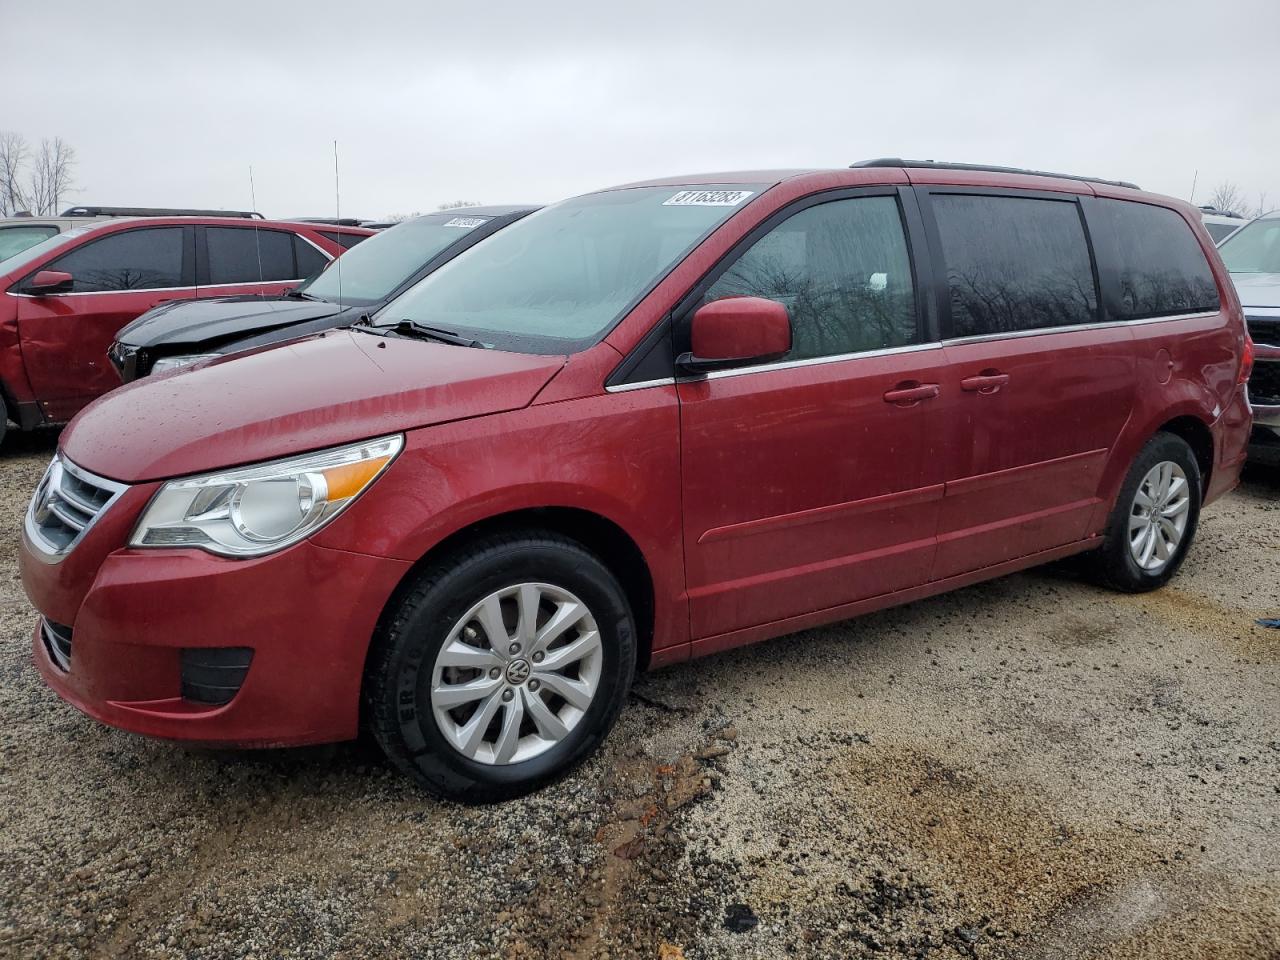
(940, 174)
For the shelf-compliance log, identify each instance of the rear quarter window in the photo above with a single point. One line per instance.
(248, 255)
(1158, 266)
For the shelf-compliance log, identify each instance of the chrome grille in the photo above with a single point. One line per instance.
(1264, 329)
(66, 503)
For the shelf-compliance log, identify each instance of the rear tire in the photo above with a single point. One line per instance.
(1154, 519)
(501, 668)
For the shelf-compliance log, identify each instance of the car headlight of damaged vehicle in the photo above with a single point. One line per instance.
(174, 363)
(252, 511)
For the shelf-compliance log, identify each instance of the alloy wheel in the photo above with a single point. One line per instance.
(516, 673)
(1158, 516)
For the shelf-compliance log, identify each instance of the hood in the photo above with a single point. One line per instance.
(338, 388)
(196, 322)
(1258, 289)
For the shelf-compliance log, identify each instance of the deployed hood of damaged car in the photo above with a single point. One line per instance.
(337, 388)
(224, 318)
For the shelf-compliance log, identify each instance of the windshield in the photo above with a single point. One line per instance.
(1254, 248)
(13, 240)
(558, 280)
(37, 251)
(372, 269)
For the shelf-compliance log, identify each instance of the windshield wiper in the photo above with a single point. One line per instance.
(296, 294)
(412, 328)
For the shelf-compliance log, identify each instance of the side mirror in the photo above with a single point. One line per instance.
(736, 331)
(50, 281)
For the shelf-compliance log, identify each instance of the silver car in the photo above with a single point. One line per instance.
(1252, 254)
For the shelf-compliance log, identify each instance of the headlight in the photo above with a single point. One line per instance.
(256, 510)
(173, 363)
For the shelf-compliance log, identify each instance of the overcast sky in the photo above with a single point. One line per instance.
(168, 104)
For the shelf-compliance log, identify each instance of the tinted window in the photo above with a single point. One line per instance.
(344, 240)
(1014, 263)
(1255, 249)
(1159, 266)
(249, 256)
(13, 240)
(843, 272)
(310, 260)
(1218, 231)
(132, 260)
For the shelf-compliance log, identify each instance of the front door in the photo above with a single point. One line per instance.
(1042, 389)
(117, 277)
(816, 481)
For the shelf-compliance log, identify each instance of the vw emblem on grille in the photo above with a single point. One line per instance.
(518, 671)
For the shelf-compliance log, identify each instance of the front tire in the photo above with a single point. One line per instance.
(501, 668)
(1154, 519)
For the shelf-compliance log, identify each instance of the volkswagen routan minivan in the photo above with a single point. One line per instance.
(638, 426)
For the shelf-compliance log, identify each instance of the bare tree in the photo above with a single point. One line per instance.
(13, 155)
(456, 204)
(1227, 197)
(51, 176)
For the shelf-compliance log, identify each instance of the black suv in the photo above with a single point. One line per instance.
(379, 269)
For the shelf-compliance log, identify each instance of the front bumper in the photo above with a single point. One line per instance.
(307, 613)
(1264, 399)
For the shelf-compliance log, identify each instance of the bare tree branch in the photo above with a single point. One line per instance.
(1227, 198)
(51, 176)
(13, 154)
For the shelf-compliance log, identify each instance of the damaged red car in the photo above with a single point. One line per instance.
(66, 297)
(642, 425)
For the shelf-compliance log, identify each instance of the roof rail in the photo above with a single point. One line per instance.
(157, 212)
(328, 221)
(984, 168)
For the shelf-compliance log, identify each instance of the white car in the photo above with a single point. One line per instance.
(1252, 254)
(19, 233)
(1220, 225)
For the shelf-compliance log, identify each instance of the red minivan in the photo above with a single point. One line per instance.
(639, 426)
(65, 299)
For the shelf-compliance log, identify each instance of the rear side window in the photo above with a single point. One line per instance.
(310, 260)
(239, 255)
(1014, 263)
(843, 272)
(13, 240)
(1159, 266)
(130, 260)
(344, 240)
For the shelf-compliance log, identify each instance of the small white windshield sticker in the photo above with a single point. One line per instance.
(708, 198)
(465, 222)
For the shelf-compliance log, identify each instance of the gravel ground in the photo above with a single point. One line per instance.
(1028, 768)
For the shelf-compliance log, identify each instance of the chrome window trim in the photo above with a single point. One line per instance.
(1071, 328)
(910, 348)
(49, 552)
(641, 385)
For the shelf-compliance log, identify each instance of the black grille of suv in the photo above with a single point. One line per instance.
(66, 503)
(214, 675)
(57, 640)
(1264, 329)
(1264, 383)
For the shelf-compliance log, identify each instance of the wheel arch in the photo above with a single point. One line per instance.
(602, 536)
(1199, 438)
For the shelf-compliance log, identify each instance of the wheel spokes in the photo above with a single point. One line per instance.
(463, 655)
(549, 725)
(571, 652)
(575, 692)
(509, 734)
(567, 614)
(449, 695)
(490, 617)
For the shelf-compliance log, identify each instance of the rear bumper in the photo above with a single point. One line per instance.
(306, 613)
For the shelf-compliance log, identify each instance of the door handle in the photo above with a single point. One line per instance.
(986, 383)
(908, 396)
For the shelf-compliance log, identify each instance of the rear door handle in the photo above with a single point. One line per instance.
(985, 382)
(905, 396)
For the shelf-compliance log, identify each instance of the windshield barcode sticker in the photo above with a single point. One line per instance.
(465, 222)
(708, 198)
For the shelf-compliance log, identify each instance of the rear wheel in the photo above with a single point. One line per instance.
(1154, 519)
(502, 668)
